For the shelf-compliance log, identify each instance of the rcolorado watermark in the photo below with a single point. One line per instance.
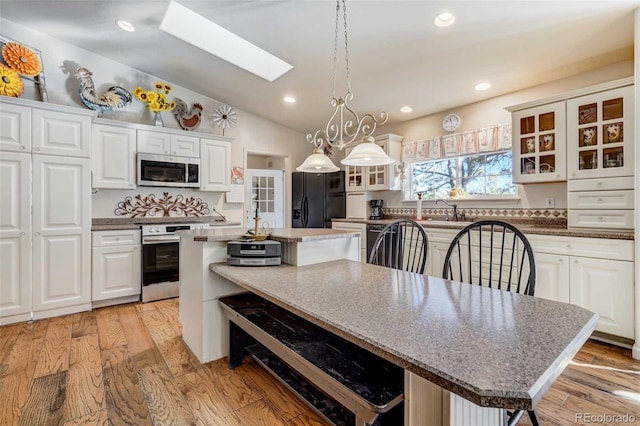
(605, 418)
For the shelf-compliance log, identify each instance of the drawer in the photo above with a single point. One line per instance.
(601, 248)
(116, 238)
(613, 219)
(601, 200)
(606, 184)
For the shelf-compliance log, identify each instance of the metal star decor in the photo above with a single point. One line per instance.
(224, 116)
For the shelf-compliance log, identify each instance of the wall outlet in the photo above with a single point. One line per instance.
(550, 203)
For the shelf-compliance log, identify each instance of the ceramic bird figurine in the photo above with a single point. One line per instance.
(187, 119)
(114, 98)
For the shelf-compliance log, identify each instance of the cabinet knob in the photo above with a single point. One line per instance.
(568, 245)
(576, 262)
(600, 200)
(600, 218)
(22, 234)
(37, 234)
(117, 238)
(559, 260)
(130, 185)
(22, 147)
(36, 149)
(166, 152)
(599, 184)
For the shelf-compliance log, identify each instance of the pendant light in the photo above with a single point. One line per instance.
(340, 132)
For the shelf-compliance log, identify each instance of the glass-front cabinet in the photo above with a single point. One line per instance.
(539, 144)
(375, 178)
(600, 134)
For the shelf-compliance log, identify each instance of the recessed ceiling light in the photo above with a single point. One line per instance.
(444, 19)
(406, 109)
(124, 25)
(289, 100)
(200, 32)
(482, 86)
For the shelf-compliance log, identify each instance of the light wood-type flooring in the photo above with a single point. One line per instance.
(127, 365)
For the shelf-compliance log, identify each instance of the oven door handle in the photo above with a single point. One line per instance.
(161, 239)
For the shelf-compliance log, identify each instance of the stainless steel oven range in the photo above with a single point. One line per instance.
(161, 260)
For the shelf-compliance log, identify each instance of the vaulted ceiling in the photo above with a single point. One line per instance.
(397, 56)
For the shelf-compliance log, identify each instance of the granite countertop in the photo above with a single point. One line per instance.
(432, 327)
(526, 226)
(117, 223)
(284, 235)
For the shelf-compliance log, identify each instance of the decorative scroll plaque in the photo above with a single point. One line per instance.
(140, 206)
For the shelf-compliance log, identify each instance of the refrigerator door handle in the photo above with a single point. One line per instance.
(305, 212)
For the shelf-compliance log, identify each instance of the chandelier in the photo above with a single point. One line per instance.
(342, 131)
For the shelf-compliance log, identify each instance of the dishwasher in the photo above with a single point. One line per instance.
(373, 230)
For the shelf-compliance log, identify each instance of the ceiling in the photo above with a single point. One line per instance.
(397, 56)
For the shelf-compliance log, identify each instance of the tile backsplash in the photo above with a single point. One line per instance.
(473, 213)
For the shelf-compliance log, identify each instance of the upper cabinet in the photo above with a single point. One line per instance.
(600, 134)
(215, 165)
(168, 144)
(114, 159)
(539, 144)
(15, 128)
(375, 178)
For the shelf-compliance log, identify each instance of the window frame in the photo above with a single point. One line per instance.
(407, 192)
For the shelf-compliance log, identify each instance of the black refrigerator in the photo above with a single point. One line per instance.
(316, 199)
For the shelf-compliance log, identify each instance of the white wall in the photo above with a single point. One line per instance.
(491, 112)
(251, 133)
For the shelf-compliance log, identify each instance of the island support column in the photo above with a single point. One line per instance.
(427, 404)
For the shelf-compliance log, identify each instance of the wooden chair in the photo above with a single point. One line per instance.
(403, 245)
(494, 254)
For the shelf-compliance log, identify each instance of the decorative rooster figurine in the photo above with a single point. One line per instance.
(115, 97)
(188, 120)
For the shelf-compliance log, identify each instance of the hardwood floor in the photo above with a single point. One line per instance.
(127, 365)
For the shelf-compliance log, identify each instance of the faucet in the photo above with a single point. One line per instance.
(455, 216)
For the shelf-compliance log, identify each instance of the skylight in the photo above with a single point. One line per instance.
(198, 31)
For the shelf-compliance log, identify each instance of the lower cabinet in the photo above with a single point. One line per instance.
(596, 274)
(116, 272)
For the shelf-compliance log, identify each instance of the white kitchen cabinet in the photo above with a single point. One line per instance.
(114, 159)
(606, 288)
(61, 235)
(215, 165)
(116, 267)
(552, 277)
(356, 205)
(539, 144)
(375, 178)
(594, 273)
(15, 128)
(354, 226)
(60, 133)
(600, 134)
(15, 237)
(157, 142)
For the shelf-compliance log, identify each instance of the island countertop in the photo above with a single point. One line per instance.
(284, 235)
(494, 348)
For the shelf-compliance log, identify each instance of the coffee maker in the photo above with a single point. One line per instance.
(376, 210)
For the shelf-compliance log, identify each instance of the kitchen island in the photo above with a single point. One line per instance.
(203, 324)
(468, 352)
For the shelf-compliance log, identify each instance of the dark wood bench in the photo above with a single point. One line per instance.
(343, 382)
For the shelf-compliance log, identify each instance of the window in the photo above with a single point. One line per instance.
(474, 175)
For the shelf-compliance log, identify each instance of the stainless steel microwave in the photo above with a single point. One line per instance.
(168, 170)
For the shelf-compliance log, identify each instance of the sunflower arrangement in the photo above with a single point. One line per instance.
(20, 60)
(155, 99)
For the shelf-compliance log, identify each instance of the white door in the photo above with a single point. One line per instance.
(552, 280)
(61, 133)
(15, 128)
(265, 192)
(15, 237)
(114, 162)
(215, 165)
(116, 272)
(606, 288)
(61, 232)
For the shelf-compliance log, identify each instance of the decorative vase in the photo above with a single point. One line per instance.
(157, 119)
